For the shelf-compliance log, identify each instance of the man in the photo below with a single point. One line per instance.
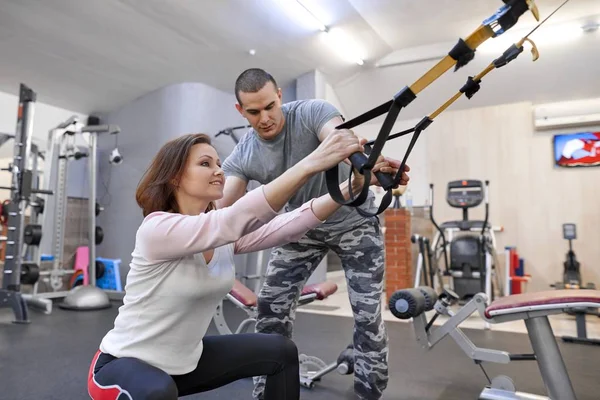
(281, 136)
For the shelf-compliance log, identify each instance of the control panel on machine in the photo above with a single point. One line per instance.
(569, 231)
(465, 193)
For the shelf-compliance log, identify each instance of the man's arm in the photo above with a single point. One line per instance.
(234, 189)
(330, 127)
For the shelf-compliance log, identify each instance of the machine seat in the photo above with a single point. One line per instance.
(244, 295)
(463, 225)
(547, 300)
(247, 297)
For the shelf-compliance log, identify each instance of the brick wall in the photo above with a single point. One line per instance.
(398, 258)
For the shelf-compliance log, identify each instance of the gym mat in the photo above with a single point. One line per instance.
(49, 359)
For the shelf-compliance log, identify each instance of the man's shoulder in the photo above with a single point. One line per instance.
(304, 104)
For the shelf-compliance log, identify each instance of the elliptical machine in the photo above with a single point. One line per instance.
(467, 247)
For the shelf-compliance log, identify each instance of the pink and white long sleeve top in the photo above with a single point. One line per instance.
(172, 293)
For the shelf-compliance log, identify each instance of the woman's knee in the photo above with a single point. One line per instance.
(162, 389)
(287, 349)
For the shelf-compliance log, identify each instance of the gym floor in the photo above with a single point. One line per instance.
(49, 359)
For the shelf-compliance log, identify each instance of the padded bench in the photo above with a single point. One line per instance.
(318, 291)
(550, 300)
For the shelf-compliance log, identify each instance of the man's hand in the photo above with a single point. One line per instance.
(385, 164)
(334, 149)
(389, 166)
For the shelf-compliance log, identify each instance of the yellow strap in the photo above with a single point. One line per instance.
(458, 94)
(445, 105)
(474, 40)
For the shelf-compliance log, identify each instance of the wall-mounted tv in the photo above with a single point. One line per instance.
(577, 150)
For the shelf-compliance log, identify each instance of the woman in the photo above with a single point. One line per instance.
(182, 266)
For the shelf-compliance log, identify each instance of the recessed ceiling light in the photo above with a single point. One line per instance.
(590, 27)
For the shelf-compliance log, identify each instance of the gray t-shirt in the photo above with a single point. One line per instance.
(260, 160)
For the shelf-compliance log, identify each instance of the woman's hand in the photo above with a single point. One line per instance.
(389, 165)
(358, 181)
(335, 148)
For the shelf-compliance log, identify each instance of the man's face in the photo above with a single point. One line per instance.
(263, 110)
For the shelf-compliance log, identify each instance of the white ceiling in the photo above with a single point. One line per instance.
(95, 55)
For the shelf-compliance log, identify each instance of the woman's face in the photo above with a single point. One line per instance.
(202, 178)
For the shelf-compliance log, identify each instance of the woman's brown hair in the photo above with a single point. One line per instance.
(156, 190)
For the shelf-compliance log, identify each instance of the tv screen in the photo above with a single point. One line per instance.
(577, 150)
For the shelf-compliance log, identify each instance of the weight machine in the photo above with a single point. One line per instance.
(572, 280)
(467, 247)
(61, 149)
(229, 132)
(533, 309)
(16, 270)
(312, 368)
(256, 275)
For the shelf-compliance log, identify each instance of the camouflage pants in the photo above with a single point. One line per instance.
(361, 252)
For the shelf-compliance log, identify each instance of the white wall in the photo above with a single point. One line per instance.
(332, 97)
(45, 118)
(314, 85)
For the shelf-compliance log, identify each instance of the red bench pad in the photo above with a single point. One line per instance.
(243, 294)
(247, 297)
(560, 298)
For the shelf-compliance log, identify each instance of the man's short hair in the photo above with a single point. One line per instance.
(251, 81)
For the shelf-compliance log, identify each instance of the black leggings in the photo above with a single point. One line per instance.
(224, 359)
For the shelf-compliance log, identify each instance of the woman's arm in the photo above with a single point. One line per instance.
(168, 235)
(291, 226)
(165, 235)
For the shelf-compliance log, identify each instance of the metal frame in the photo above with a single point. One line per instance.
(441, 250)
(311, 368)
(546, 352)
(61, 140)
(10, 294)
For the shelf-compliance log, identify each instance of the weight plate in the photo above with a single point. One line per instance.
(33, 234)
(99, 235)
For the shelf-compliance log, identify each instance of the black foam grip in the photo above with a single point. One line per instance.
(386, 180)
(360, 159)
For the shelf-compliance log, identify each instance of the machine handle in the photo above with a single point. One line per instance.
(41, 191)
(359, 160)
(343, 368)
(487, 208)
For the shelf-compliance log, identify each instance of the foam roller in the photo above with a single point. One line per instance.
(407, 303)
(430, 296)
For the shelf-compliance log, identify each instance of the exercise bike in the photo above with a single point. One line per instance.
(572, 281)
(571, 267)
(312, 368)
(466, 247)
(532, 308)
